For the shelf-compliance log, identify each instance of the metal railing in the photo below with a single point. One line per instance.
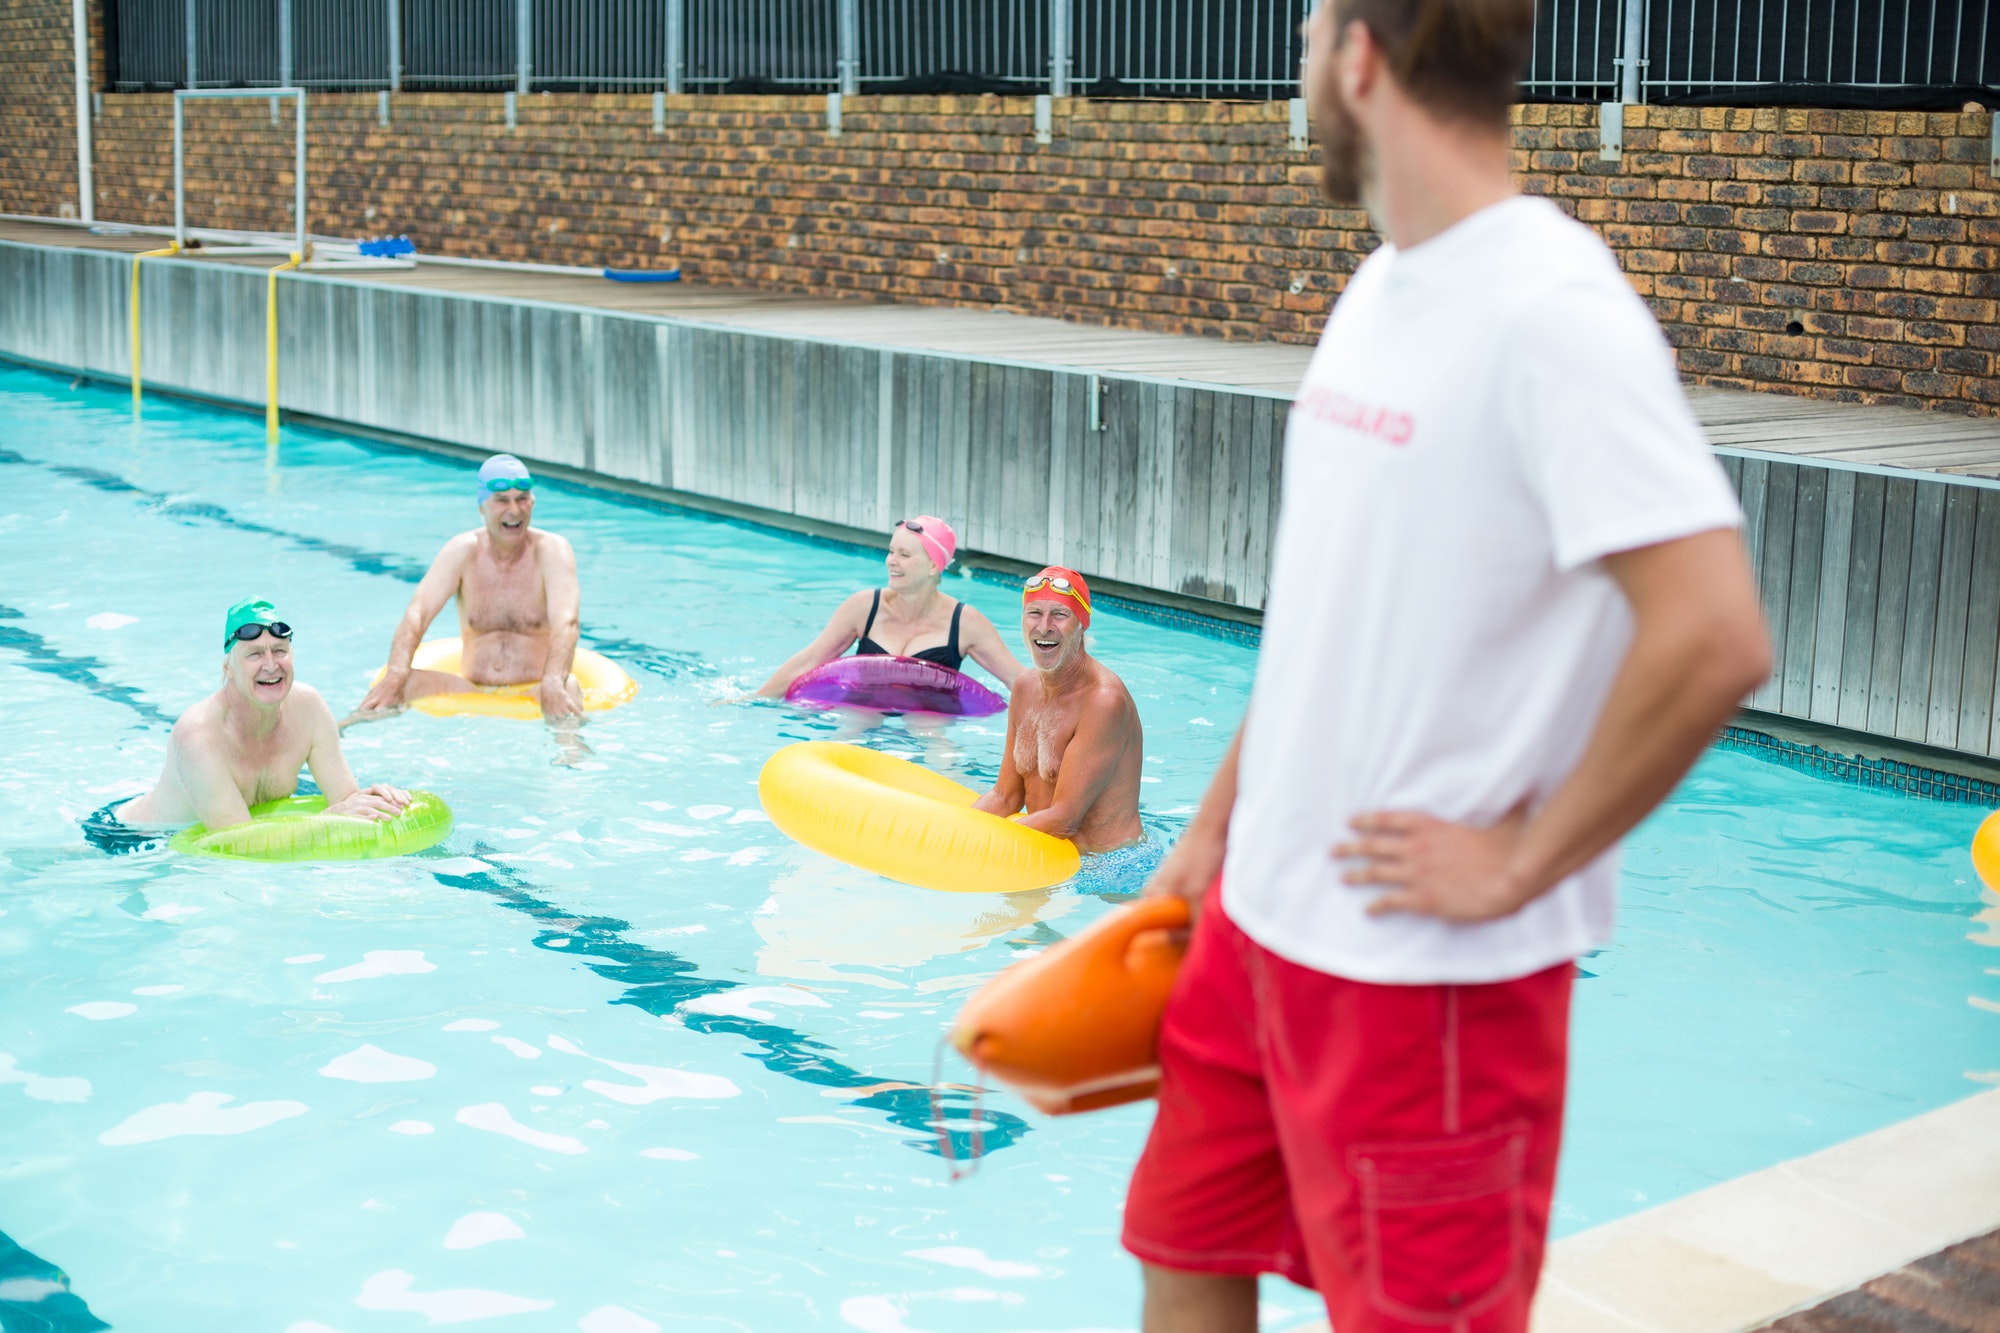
(1584, 50)
(1691, 48)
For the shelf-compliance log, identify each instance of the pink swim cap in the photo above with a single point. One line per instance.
(940, 542)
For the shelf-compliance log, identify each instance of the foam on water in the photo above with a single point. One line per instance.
(476, 1229)
(379, 963)
(201, 1113)
(372, 1064)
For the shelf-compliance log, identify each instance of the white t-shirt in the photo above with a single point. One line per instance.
(1486, 415)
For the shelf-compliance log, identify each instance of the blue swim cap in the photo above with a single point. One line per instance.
(503, 472)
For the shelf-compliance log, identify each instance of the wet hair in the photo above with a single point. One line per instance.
(1460, 59)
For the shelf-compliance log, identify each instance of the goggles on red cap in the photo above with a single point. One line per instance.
(1053, 583)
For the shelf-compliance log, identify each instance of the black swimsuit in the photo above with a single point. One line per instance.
(945, 655)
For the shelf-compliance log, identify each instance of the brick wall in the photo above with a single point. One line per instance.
(1850, 254)
(38, 108)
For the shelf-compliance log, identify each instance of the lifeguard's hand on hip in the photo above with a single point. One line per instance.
(1433, 867)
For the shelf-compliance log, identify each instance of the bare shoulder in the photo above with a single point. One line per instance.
(552, 544)
(196, 728)
(1109, 693)
(853, 608)
(308, 705)
(1027, 688)
(458, 550)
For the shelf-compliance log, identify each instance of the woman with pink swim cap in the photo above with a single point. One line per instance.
(912, 617)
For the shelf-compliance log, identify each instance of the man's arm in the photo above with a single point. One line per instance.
(439, 585)
(1698, 646)
(344, 796)
(1089, 763)
(565, 600)
(1009, 793)
(1196, 859)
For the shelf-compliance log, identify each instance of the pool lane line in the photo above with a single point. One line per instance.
(45, 1304)
(40, 656)
(666, 662)
(665, 981)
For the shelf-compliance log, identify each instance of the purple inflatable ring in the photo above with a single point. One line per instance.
(894, 685)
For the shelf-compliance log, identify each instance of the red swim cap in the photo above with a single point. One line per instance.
(1057, 584)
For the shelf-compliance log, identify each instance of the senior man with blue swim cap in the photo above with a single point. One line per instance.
(517, 606)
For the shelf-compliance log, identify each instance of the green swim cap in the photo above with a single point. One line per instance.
(252, 611)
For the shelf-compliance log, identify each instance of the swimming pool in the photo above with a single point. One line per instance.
(617, 1056)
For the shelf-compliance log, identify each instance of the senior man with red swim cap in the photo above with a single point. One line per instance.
(1074, 747)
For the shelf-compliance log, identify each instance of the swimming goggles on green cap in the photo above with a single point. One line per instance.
(249, 619)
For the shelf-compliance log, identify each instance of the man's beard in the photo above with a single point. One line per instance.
(1341, 153)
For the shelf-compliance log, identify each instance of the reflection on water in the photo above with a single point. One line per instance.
(829, 922)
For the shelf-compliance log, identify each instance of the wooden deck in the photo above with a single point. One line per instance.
(1763, 422)
(1955, 1291)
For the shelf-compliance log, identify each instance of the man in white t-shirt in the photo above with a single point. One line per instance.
(1509, 607)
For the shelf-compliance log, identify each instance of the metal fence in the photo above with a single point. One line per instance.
(1710, 48)
(1584, 50)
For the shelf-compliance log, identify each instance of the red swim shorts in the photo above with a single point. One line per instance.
(1393, 1147)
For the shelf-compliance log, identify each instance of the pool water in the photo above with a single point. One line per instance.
(617, 1056)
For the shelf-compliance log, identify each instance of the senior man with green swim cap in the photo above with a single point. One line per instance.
(518, 606)
(244, 744)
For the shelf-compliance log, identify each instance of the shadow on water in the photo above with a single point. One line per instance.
(35, 1295)
(659, 982)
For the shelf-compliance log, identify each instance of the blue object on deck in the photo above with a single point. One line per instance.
(643, 274)
(388, 247)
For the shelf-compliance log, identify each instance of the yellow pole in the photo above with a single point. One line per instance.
(271, 350)
(173, 249)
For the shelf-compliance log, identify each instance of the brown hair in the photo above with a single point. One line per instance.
(1461, 58)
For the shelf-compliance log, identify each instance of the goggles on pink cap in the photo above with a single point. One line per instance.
(940, 542)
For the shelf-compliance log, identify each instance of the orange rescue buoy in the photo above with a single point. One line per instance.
(1077, 1028)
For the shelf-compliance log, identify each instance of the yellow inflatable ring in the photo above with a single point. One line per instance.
(604, 682)
(1986, 851)
(892, 817)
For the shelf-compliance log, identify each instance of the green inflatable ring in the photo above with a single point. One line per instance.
(297, 829)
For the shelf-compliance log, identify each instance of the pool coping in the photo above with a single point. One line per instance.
(1737, 1255)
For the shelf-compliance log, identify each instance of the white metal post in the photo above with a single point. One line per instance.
(675, 25)
(299, 174)
(284, 44)
(395, 46)
(298, 97)
(850, 47)
(1059, 48)
(180, 176)
(191, 29)
(86, 190)
(1631, 91)
(524, 45)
